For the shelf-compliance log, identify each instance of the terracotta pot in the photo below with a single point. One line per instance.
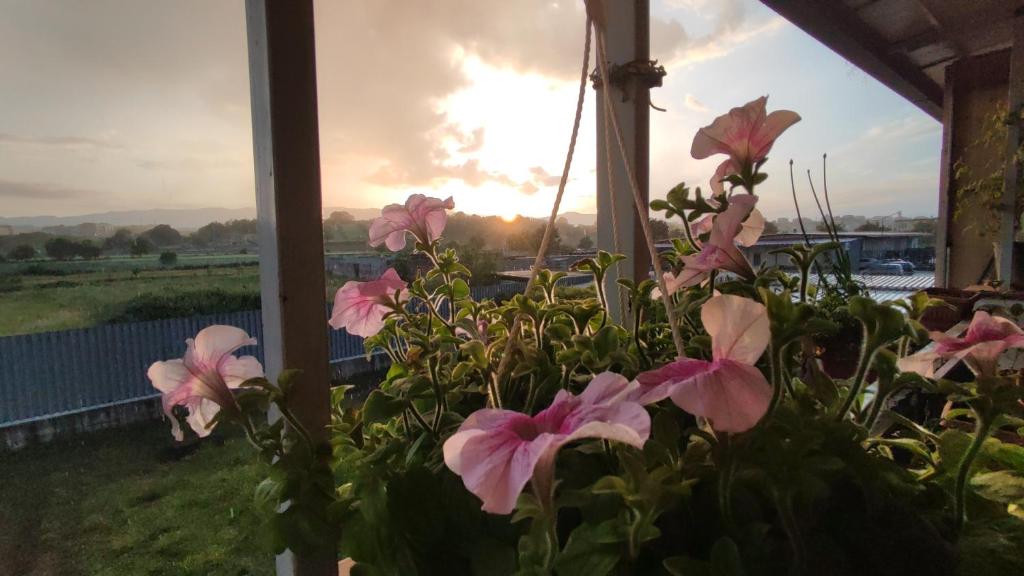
(942, 318)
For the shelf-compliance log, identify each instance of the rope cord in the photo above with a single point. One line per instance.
(641, 207)
(513, 334)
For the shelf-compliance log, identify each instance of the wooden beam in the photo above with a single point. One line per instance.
(1011, 176)
(841, 29)
(282, 80)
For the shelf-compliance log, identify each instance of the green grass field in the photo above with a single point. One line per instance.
(44, 303)
(130, 501)
(128, 263)
(66, 295)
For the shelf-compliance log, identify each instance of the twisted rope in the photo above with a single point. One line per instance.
(513, 335)
(641, 206)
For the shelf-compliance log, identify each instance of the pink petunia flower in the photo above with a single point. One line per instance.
(987, 337)
(720, 251)
(422, 216)
(746, 134)
(359, 307)
(496, 452)
(750, 230)
(729, 390)
(725, 169)
(203, 380)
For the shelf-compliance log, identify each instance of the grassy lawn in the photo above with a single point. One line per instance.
(45, 303)
(129, 501)
(82, 295)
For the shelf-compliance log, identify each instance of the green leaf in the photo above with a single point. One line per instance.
(380, 407)
(460, 289)
(606, 340)
(1003, 486)
(686, 566)
(592, 550)
(725, 558)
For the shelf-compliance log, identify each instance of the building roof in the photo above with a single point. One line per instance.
(824, 236)
(906, 44)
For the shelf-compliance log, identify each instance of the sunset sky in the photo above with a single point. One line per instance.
(134, 104)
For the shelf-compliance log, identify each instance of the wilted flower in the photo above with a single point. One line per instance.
(729, 391)
(497, 451)
(746, 134)
(720, 251)
(422, 216)
(987, 337)
(359, 307)
(202, 381)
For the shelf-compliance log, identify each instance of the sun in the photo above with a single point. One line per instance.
(509, 217)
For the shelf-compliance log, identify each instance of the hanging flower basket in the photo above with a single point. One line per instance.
(699, 436)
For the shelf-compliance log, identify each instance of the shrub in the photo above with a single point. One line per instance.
(22, 252)
(193, 303)
(168, 258)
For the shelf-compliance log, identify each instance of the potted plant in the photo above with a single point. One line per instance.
(540, 436)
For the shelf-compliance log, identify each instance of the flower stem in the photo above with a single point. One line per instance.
(775, 360)
(867, 354)
(963, 473)
(725, 478)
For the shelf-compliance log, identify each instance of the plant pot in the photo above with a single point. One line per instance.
(942, 318)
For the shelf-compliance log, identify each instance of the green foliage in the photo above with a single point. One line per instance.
(168, 258)
(22, 252)
(61, 248)
(158, 306)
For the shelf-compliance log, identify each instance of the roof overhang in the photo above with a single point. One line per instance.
(905, 44)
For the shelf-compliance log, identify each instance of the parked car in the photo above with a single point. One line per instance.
(887, 268)
(908, 267)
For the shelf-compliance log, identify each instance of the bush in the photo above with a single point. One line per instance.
(141, 247)
(168, 258)
(66, 249)
(162, 306)
(22, 252)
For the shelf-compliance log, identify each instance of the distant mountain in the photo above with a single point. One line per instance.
(579, 219)
(357, 213)
(186, 219)
(192, 218)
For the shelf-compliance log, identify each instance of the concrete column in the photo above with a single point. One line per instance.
(628, 39)
(975, 89)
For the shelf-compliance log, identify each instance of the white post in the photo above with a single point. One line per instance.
(282, 81)
(628, 23)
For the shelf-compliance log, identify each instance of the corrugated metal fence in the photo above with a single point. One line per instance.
(54, 373)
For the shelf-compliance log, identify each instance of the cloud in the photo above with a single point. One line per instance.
(544, 178)
(692, 103)
(39, 191)
(59, 141)
(155, 72)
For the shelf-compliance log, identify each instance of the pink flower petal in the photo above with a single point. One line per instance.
(360, 307)
(746, 134)
(738, 327)
(496, 452)
(733, 396)
(423, 217)
(213, 344)
(656, 385)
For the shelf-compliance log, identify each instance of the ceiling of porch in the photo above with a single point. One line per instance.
(906, 44)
